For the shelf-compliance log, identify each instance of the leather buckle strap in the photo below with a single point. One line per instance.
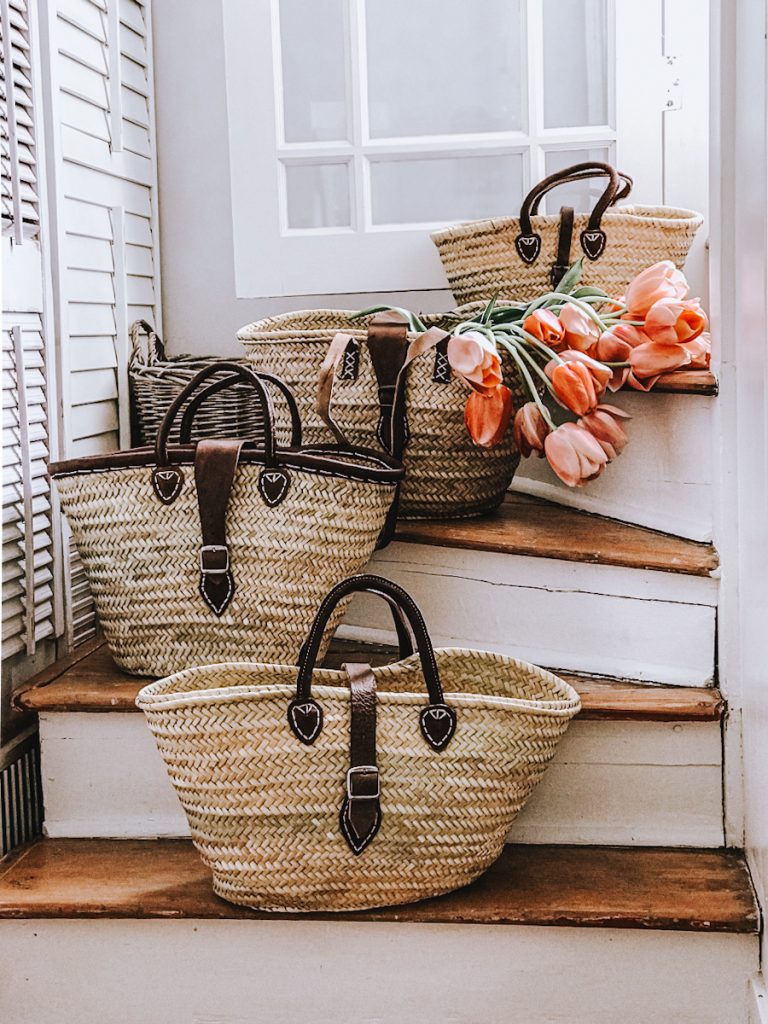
(215, 467)
(211, 561)
(363, 782)
(360, 815)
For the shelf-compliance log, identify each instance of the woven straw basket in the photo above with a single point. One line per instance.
(206, 553)
(155, 381)
(455, 745)
(446, 474)
(526, 256)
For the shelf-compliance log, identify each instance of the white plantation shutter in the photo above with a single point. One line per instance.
(28, 563)
(20, 202)
(107, 257)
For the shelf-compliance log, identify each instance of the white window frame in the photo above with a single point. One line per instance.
(270, 260)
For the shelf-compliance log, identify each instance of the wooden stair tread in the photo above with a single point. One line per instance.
(524, 525)
(614, 887)
(687, 382)
(89, 680)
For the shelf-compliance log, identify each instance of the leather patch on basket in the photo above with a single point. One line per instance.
(593, 243)
(441, 373)
(217, 590)
(167, 482)
(438, 724)
(349, 367)
(528, 247)
(305, 718)
(273, 485)
(355, 841)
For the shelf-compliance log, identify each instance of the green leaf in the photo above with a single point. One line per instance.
(570, 278)
(588, 292)
(414, 322)
(487, 312)
(508, 314)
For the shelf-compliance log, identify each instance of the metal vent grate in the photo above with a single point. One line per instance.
(21, 793)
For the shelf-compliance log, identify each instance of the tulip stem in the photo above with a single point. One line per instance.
(562, 297)
(516, 330)
(511, 347)
(616, 366)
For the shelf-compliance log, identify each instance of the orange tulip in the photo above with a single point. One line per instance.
(611, 348)
(530, 429)
(475, 358)
(544, 325)
(627, 333)
(574, 387)
(661, 281)
(651, 359)
(600, 374)
(574, 454)
(604, 424)
(487, 415)
(699, 350)
(671, 321)
(581, 332)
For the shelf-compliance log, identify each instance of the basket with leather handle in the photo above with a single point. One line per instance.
(374, 382)
(526, 256)
(220, 550)
(155, 380)
(312, 790)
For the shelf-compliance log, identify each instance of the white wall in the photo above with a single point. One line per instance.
(740, 290)
(201, 313)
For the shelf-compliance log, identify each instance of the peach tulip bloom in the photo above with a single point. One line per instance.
(530, 429)
(601, 374)
(699, 350)
(544, 325)
(611, 348)
(581, 332)
(652, 358)
(661, 281)
(475, 358)
(574, 454)
(604, 424)
(574, 387)
(672, 320)
(487, 415)
(628, 333)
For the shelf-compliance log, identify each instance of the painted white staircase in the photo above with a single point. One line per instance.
(616, 898)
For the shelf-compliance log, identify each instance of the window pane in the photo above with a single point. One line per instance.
(318, 195)
(581, 195)
(441, 67)
(575, 63)
(314, 57)
(446, 189)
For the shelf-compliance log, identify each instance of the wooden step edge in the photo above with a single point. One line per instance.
(687, 382)
(533, 527)
(575, 886)
(92, 683)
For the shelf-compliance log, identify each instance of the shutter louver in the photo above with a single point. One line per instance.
(27, 542)
(20, 205)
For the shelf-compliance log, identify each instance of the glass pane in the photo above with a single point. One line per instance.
(318, 195)
(581, 195)
(314, 56)
(575, 63)
(446, 189)
(440, 67)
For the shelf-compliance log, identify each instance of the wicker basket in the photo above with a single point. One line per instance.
(266, 768)
(155, 381)
(446, 474)
(524, 257)
(199, 554)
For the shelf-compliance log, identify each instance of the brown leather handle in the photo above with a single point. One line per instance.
(187, 421)
(593, 238)
(438, 720)
(243, 374)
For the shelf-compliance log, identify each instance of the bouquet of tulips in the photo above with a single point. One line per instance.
(569, 347)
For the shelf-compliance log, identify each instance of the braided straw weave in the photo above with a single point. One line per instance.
(141, 557)
(480, 257)
(446, 474)
(155, 381)
(264, 809)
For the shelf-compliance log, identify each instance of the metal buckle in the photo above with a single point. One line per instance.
(205, 549)
(370, 769)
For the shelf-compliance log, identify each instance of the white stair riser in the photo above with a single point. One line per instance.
(663, 479)
(611, 782)
(281, 972)
(608, 620)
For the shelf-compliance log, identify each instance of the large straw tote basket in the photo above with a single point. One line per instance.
(378, 384)
(155, 380)
(527, 256)
(317, 790)
(199, 554)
